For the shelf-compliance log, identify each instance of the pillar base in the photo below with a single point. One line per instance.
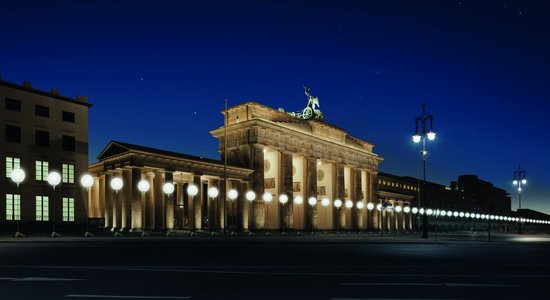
(19, 234)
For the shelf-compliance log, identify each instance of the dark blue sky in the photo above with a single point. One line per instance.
(157, 73)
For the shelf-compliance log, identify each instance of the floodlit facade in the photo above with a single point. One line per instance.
(42, 132)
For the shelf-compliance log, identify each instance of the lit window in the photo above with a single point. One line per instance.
(68, 209)
(68, 173)
(13, 207)
(11, 164)
(42, 206)
(42, 169)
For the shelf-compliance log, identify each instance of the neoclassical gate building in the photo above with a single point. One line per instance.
(269, 151)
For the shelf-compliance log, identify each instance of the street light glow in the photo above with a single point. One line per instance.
(143, 186)
(168, 188)
(298, 200)
(414, 210)
(416, 138)
(250, 196)
(192, 190)
(337, 203)
(429, 211)
(325, 202)
(398, 208)
(232, 194)
(431, 135)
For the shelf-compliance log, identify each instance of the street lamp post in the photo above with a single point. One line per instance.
(519, 181)
(250, 196)
(54, 179)
(192, 190)
(360, 205)
(143, 187)
(312, 201)
(370, 207)
(283, 199)
(168, 189)
(17, 176)
(325, 202)
(417, 138)
(349, 205)
(267, 197)
(116, 185)
(213, 193)
(337, 204)
(232, 195)
(87, 181)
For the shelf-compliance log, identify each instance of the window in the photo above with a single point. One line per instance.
(13, 207)
(68, 116)
(42, 213)
(42, 138)
(13, 134)
(68, 209)
(11, 164)
(68, 143)
(68, 173)
(13, 104)
(42, 170)
(42, 111)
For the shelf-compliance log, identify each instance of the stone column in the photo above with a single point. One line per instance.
(159, 201)
(311, 191)
(109, 199)
(196, 216)
(257, 163)
(126, 199)
(285, 175)
(357, 215)
(150, 202)
(168, 203)
(136, 202)
(340, 214)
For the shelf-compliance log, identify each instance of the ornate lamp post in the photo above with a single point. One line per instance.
(168, 189)
(519, 181)
(87, 181)
(192, 190)
(417, 138)
(17, 176)
(54, 179)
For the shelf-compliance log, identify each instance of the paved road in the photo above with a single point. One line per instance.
(319, 267)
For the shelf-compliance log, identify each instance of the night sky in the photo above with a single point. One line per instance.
(157, 73)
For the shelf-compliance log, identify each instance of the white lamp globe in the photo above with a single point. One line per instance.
(416, 138)
(414, 210)
(312, 201)
(398, 208)
(429, 211)
(87, 181)
(54, 179)
(379, 207)
(17, 176)
(524, 181)
(443, 213)
(515, 182)
(213, 192)
(370, 206)
(461, 214)
(192, 190)
(232, 194)
(349, 203)
(250, 196)
(325, 202)
(478, 216)
(360, 205)
(455, 214)
(267, 197)
(449, 213)
(298, 200)
(407, 209)
(283, 199)
(431, 135)
(467, 215)
(143, 186)
(421, 211)
(337, 203)
(168, 188)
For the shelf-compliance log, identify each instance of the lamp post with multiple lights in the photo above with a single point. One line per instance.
(421, 136)
(519, 181)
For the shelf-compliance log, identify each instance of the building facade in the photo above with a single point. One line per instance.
(42, 132)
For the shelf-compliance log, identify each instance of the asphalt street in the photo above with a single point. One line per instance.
(290, 267)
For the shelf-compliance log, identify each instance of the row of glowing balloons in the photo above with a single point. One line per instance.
(54, 178)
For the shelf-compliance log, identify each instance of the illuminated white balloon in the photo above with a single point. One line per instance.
(213, 192)
(87, 181)
(407, 209)
(283, 199)
(312, 201)
(349, 204)
(250, 196)
(360, 205)
(325, 202)
(143, 186)
(267, 197)
(298, 200)
(17, 176)
(54, 179)
(192, 190)
(232, 194)
(337, 203)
